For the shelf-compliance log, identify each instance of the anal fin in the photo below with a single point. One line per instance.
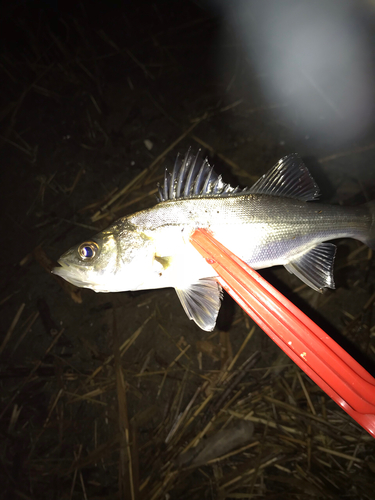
(315, 267)
(201, 302)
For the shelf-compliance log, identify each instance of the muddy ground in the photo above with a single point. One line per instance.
(101, 393)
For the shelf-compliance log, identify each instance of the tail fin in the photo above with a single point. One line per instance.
(370, 240)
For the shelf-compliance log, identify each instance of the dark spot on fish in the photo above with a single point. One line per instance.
(160, 274)
(218, 211)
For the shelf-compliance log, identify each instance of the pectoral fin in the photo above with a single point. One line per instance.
(201, 302)
(315, 267)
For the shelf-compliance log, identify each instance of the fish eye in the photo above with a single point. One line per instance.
(88, 250)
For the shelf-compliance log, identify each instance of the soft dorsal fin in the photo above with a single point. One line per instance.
(201, 302)
(288, 178)
(192, 177)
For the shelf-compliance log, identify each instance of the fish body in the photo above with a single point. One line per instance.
(275, 222)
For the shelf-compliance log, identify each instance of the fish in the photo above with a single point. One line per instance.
(277, 221)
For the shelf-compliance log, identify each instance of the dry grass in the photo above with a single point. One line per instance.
(235, 431)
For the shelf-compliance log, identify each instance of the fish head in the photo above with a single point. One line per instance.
(119, 258)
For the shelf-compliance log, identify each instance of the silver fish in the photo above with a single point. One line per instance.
(275, 222)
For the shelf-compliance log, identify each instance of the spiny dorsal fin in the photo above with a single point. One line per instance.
(192, 177)
(289, 178)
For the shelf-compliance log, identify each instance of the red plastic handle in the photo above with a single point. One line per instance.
(320, 357)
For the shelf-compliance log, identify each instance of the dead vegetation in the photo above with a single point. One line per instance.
(212, 416)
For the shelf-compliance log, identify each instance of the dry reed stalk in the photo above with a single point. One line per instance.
(129, 203)
(90, 396)
(123, 348)
(236, 168)
(31, 320)
(53, 406)
(76, 458)
(14, 417)
(29, 377)
(12, 327)
(128, 476)
(170, 366)
(305, 391)
(100, 213)
(110, 42)
(234, 360)
(350, 152)
(41, 257)
(97, 203)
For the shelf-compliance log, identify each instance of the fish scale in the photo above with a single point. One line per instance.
(278, 221)
(260, 225)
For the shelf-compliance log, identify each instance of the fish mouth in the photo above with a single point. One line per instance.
(71, 274)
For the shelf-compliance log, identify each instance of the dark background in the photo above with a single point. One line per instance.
(91, 94)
